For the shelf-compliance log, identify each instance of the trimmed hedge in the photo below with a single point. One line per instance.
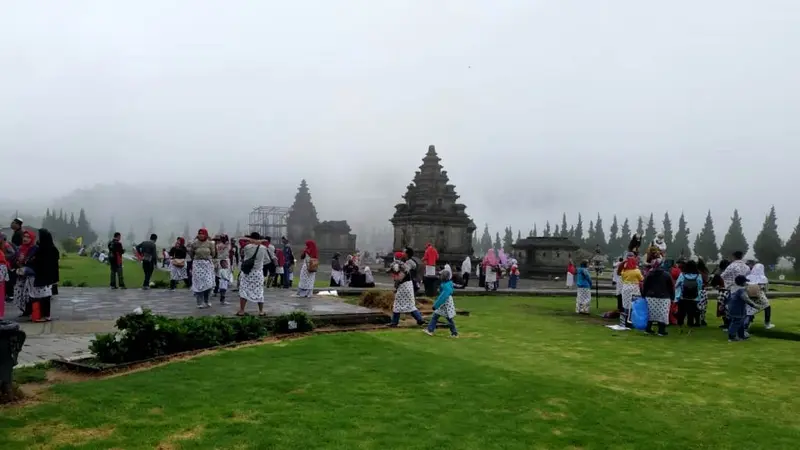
(146, 335)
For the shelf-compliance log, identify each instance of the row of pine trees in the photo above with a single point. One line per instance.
(767, 247)
(65, 227)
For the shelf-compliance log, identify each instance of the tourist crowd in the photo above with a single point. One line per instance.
(676, 293)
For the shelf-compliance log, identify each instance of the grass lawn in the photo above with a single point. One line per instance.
(526, 374)
(87, 272)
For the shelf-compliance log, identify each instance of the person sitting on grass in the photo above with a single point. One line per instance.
(737, 310)
(444, 305)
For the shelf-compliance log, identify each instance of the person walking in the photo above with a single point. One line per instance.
(149, 254)
(287, 263)
(115, 252)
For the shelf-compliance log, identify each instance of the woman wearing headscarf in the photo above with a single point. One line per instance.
(203, 252)
(41, 273)
(308, 270)
(489, 271)
(22, 288)
(466, 268)
(758, 277)
(251, 284)
(570, 273)
(659, 292)
(369, 280)
(177, 264)
(429, 259)
(337, 275)
(350, 268)
(404, 302)
(631, 276)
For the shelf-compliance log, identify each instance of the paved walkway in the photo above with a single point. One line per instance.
(80, 313)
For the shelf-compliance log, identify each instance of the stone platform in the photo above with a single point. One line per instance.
(98, 304)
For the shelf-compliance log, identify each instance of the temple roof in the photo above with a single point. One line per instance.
(430, 193)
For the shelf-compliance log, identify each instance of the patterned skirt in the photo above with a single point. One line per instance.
(448, 309)
(583, 300)
(38, 292)
(762, 301)
(178, 273)
(202, 275)
(629, 292)
(722, 298)
(22, 292)
(658, 309)
(251, 286)
(570, 280)
(404, 298)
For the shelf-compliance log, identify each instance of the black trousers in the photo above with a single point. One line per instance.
(11, 283)
(466, 278)
(687, 309)
(148, 267)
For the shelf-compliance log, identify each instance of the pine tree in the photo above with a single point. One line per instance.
(705, 243)
(222, 229)
(669, 236)
(792, 248)
(519, 235)
(172, 239)
(112, 228)
(46, 222)
(85, 230)
(571, 233)
(508, 240)
(130, 238)
(497, 243)
(578, 234)
(590, 239)
(625, 237)
(534, 233)
(768, 246)
(557, 231)
(734, 239)
(546, 229)
(238, 232)
(186, 234)
(476, 245)
(613, 237)
(600, 235)
(640, 227)
(564, 232)
(680, 245)
(649, 232)
(486, 239)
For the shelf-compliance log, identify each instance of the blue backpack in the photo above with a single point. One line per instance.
(639, 313)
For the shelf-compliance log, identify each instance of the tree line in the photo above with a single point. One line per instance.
(767, 247)
(64, 226)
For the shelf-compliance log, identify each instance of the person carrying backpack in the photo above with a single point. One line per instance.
(687, 294)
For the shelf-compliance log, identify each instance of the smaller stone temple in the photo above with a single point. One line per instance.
(431, 213)
(302, 224)
(544, 256)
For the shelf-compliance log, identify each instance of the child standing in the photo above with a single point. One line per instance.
(225, 279)
(737, 310)
(444, 305)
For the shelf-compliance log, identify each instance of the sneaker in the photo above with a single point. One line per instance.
(428, 332)
(207, 305)
(769, 326)
(123, 287)
(200, 306)
(454, 336)
(114, 287)
(664, 334)
(391, 325)
(224, 303)
(746, 335)
(733, 340)
(145, 288)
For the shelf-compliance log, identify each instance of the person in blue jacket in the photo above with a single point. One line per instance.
(444, 305)
(583, 281)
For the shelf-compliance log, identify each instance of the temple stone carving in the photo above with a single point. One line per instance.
(302, 223)
(431, 213)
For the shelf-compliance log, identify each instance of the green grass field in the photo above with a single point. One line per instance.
(525, 374)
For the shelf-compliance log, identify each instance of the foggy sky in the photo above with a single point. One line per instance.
(536, 107)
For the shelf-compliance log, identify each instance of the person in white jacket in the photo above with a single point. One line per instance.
(466, 268)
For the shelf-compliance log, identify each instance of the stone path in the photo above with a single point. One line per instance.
(79, 313)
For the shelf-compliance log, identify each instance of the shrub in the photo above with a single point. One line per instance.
(378, 299)
(146, 335)
(66, 283)
(83, 284)
(294, 322)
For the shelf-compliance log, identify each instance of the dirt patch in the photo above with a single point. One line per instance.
(59, 434)
(35, 393)
(551, 415)
(173, 441)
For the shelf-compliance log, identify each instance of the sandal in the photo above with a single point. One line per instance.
(241, 313)
(262, 314)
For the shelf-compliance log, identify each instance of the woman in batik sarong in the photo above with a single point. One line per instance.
(702, 304)
(22, 292)
(337, 274)
(307, 277)
(659, 293)
(404, 302)
(203, 252)
(444, 305)
(583, 300)
(630, 276)
(251, 285)
(177, 264)
(758, 277)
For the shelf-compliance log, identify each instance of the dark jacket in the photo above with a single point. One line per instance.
(16, 238)
(737, 302)
(288, 255)
(44, 264)
(115, 251)
(658, 284)
(177, 253)
(148, 250)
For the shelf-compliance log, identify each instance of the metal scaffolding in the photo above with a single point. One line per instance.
(269, 221)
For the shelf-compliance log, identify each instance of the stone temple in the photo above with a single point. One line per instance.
(431, 213)
(302, 223)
